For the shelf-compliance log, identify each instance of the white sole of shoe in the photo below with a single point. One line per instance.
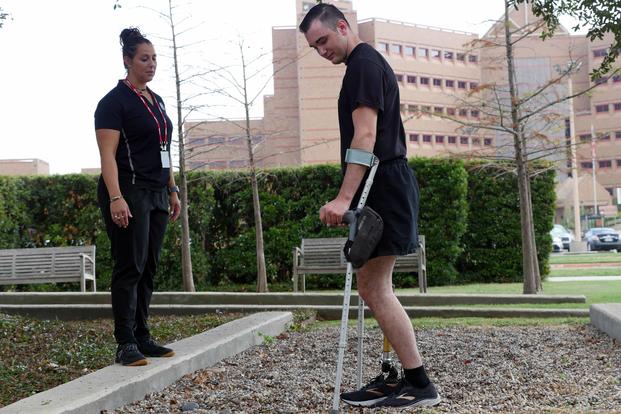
(367, 403)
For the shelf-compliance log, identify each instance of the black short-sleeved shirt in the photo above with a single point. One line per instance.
(138, 153)
(370, 81)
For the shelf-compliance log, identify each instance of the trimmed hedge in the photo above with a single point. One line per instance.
(493, 242)
(62, 210)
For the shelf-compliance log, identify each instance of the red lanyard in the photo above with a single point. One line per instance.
(164, 138)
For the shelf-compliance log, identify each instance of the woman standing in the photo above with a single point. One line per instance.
(136, 193)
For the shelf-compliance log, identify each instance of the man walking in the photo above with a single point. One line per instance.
(370, 120)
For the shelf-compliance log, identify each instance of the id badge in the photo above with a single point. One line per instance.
(165, 159)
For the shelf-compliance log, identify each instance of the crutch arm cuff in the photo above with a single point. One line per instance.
(362, 157)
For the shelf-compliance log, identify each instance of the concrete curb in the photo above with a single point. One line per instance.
(332, 312)
(283, 298)
(607, 318)
(115, 386)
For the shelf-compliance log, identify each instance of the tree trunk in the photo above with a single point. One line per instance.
(529, 252)
(186, 256)
(256, 203)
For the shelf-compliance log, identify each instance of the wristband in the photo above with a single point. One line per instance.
(113, 199)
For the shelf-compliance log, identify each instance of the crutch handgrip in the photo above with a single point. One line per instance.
(349, 217)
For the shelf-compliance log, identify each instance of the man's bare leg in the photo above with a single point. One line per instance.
(374, 281)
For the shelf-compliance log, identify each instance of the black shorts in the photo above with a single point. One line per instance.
(395, 197)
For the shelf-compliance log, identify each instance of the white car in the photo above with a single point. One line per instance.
(563, 234)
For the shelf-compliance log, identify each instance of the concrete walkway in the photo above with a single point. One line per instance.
(581, 278)
(607, 318)
(116, 385)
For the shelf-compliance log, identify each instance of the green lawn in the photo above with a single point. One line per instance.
(593, 271)
(585, 258)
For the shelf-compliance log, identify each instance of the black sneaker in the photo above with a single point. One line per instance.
(372, 393)
(152, 349)
(128, 354)
(409, 396)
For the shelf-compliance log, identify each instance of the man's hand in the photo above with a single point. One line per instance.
(331, 214)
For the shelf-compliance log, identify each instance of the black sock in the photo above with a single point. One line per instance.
(417, 377)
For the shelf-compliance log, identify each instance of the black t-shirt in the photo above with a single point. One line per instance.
(138, 153)
(370, 81)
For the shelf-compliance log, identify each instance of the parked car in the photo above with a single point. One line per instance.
(603, 238)
(562, 233)
(557, 244)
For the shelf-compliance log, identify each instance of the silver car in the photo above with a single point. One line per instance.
(565, 236)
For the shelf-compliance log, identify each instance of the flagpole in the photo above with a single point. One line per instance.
(593, 170)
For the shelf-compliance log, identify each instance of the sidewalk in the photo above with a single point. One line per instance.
(580, 278)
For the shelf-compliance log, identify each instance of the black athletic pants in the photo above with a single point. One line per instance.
(136, 252)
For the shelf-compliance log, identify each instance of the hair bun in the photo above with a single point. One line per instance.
(130, 36)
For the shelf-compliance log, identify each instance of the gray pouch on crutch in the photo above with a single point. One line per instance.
(365, 231)
(369, 229)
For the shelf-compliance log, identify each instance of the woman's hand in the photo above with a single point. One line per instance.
(175, 206)
(119, 210)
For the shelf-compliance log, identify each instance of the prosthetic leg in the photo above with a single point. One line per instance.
(353, 219)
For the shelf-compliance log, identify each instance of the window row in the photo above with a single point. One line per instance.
(607, 107)
(439, 110)
(604, 80)
(224, 139)
(437, 82)
(448, 139)
(597, 53)
(588, 165)
(419, 52)
(606, 136)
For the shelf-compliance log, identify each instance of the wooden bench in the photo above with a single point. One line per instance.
(325, 256)
(48, 265)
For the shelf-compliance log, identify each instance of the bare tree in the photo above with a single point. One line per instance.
(527, 114)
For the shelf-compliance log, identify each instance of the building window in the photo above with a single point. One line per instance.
(474, 85)
(395, 49)
(413, 137)
(410, 50)
(452, 139)
(601, 108)
(604, 137)
(476, 141)
(463, 112)
(437, 82)
(382, 47)
(618, 163)
(449, 83)
(399, 77)
(439, 139)
(600, 52)
(473, 59)
(413, 108)
(605, 164)
(585, 137)
(426, 138)
(451, 112)
(435, 53)
(586, 165)
(422, 52)
(216, 139)
(461, 85)
(463, 140)
(426, 110)
(487, 142)
(411, 79)
(402, 108)
(424, 80)
(448, 55)
(238, 163)
(474, 113)
(461, 57)
(617, 134)
(438, 110)
(602, 80)
(616, 78)
(617, 106)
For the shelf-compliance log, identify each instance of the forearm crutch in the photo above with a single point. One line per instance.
(368, 159)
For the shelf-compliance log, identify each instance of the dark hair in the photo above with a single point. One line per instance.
(328, 14)
(131, 38)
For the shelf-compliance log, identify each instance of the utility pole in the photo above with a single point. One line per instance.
(577, 245)
(593, 170)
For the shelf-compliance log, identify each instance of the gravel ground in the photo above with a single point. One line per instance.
(555, 369)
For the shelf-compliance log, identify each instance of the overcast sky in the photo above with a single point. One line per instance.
(58, 58)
